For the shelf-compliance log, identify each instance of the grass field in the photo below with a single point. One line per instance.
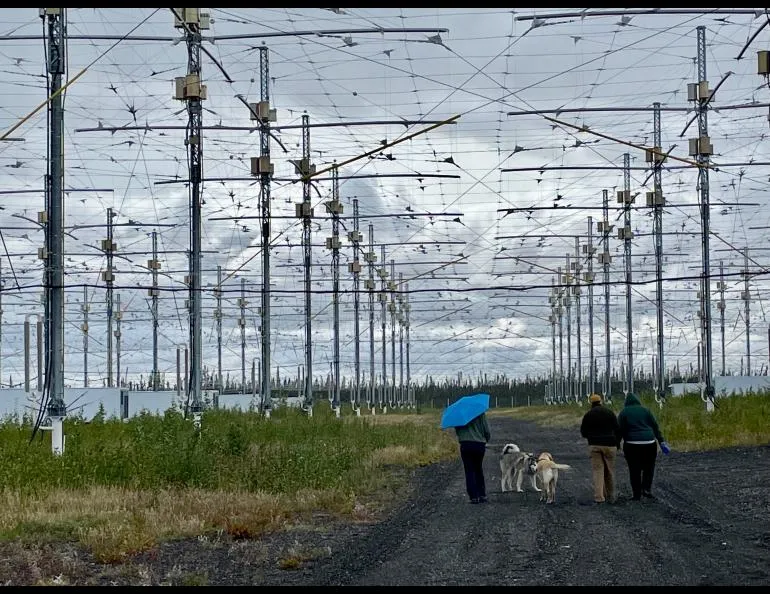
(122, 487)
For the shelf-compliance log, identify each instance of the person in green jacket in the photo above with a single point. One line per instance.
(473, 438)
(640, 434)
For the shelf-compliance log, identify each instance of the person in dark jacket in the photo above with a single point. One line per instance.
(600, 428)
(640, 432)
(473, 439)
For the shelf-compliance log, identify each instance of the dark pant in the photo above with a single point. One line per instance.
(640, 458)
(472, 454)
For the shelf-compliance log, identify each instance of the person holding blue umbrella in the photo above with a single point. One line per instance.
(469, 419)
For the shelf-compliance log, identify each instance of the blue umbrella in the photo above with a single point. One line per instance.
(464, 410)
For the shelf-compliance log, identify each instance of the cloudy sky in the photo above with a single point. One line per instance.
(476, 217)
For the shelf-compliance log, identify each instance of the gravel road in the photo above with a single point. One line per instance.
(707, 525)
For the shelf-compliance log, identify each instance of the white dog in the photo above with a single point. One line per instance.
(548, 473)
(514, 464)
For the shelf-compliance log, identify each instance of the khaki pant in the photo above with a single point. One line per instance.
(603, 471)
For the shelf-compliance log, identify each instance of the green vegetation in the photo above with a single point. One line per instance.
(122, 487)
(684, 420)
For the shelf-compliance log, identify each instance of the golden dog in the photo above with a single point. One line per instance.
(548, 473)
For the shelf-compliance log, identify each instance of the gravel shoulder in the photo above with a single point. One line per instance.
(707, 525)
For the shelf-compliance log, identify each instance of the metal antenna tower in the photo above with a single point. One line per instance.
(54, 251)
(746, 296)
(407, 307)
(84, 308)
(392, 309)
(109, 247)
(154, 265)
(261, 166)
(721, 308)
(400, 297)
(559, 312)
(2, 284)
(218, 318)
(554, 299)
(589, 278)
(354, 267)
(40, 355)
(383, 296)
(657, 201)
(305, 212)
(334, 207)
(118, 316)
(627, 234)
(576, 291)
(242, 323)
(568, 304)
(701, 148)
(371, 258)
(604, 259)
(190, 90)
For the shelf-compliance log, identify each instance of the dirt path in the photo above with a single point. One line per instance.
(709, 524)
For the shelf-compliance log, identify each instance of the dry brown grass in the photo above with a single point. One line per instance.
(546, 416)
(299, 553)
(396, 418)
(115, 523)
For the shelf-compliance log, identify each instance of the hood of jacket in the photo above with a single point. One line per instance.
(632, 399)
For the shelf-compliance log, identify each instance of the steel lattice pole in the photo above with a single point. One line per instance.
(194, 142)
(264, 182)
(627, 234)
(658, 202)
(606, 267)
(408, 376)
(218, 316)
(568, 305)
(400, 320)
(590, 280)
(109, 277)
(554, 304)
(307, 215)
(703, 181)
(54, 265)
(721, 307)
(355, 267)
(242, 324)
(392, 307)
(577, 289)
(383, 318)
(560, 310)
(336, 208)
(84, 308)
(747, 313)
(370, 287)
(154, 308)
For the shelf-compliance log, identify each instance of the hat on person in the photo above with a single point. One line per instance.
(594, 398)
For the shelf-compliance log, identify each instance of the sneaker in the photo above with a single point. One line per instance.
(483, 499)
(647, 493)
(475, 500)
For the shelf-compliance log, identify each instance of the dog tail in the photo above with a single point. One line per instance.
(562, 466)
(510, 448)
